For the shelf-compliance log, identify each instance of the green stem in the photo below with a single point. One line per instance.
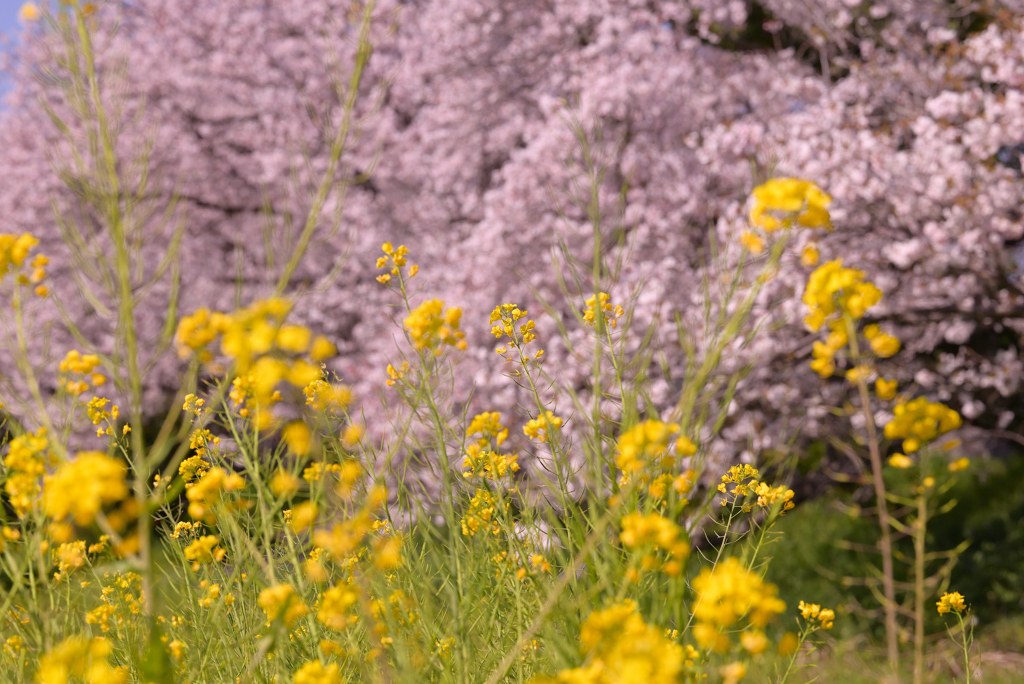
(888, 581)
(363, 52)
(967, 648)
(920, 529)
(792, 661)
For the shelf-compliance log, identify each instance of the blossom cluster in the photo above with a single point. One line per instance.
(466, 173)
(617, 643)
(727, 595)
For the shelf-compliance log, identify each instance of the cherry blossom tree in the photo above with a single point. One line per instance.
(910, 113)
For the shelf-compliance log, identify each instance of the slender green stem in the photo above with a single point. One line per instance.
(966, 641)
(920, 531)
(888, 577)
(363, 52)
(796, 652)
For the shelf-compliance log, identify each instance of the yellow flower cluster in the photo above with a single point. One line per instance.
(612, 314)
(487, 464)
(344, 538)
(75, 367)
(394, 259)
(101, 616)
(781, 202)
(432, 327)
(200, 440)
(745, 479)
(69, 557)
(824, 353)
(343, 541)
(481, 459)
(752, 242)
(814, 613)
(212, 594)
(315, 672)
(959, 464)
(810, 255)
(98, 414)
(834, 291)
(537, 428)
(280, 602)
(193, 468)
(336, 607)
(326, 397)
(29, 12)
(885, 389)
(82, 487)
(443, 647)
(207, 493)
(646, 531)
(204, 550)
(648, 445)
(505, 323)
(26, 462)
(768, 496)
(488, 426)
(739, 475)
(480, 514)
(620, 648)
(726, 594)
(954, 603)
(14, 250)
(303, 516)
(265, 350)
(919, 421)
(735, 671)
(833, 295)
(79, 657)
(883, 344)
(284, 485)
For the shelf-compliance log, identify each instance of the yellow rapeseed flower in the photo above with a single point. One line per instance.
(298, 437)
(900, 461)
(204, 550)
(959, 464)
(537, 428)
(303, 516)
(725, 595)
(26, 461)
(315, 672)
(79, 657)
(733, 672)
(833, 291)
(488, 426)
(281, 602)
(885, 389)
(29, 12)
(648, 444)
(920, 421)
(954, 602)
(82, 487)
(336, 607)
(752, 242)
(620, 648)
(431, 326)
(814, 613)
(206, 494)
(284, 485)
(610, 312)
(781, 202)
(480, 515)
(810, 255)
